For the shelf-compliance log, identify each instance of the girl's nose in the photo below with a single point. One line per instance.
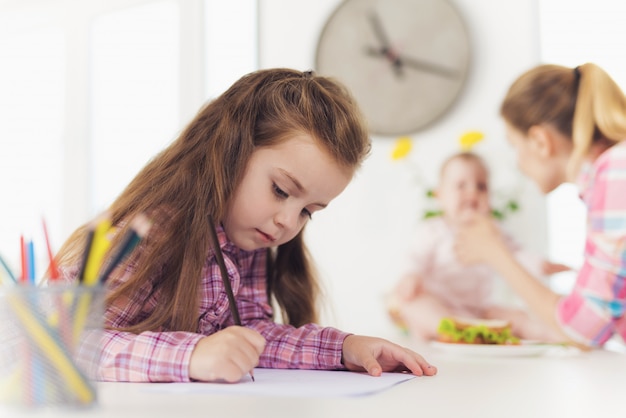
(287, 218)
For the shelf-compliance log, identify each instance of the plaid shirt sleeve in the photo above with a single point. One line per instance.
(146, 357)
(151, 356)
(595, 308)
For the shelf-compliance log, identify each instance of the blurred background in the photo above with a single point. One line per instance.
(90, 90)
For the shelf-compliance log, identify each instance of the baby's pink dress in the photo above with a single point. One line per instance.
(465, 289)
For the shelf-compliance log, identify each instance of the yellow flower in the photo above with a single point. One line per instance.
(402, 149)
(469, 139)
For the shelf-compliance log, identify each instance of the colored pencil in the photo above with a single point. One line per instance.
(53, 271)
(30, 246)
(99, 246)
(138, 229)
(24, 262)
(89, 239)
(6, 268)
(225, 280)
(85, 258)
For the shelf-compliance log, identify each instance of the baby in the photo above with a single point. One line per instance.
(436, 285)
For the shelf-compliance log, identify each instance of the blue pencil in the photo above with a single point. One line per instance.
(31, 261)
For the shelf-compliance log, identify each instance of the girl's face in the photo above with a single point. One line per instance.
(542, 155)
(282, 187)
(463, 188)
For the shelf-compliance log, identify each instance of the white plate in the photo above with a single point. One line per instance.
(525, 349)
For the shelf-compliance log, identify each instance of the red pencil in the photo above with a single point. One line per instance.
(24, 277)
(53, 271)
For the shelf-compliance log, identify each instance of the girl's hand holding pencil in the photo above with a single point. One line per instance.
(228, 355)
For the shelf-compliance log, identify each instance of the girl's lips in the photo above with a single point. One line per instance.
(266, 237)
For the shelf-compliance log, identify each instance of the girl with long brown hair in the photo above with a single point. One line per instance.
(254, 164)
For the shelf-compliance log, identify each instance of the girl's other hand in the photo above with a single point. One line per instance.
(227, 355)
(376, 355)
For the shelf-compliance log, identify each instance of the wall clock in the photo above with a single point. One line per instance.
(405, 61)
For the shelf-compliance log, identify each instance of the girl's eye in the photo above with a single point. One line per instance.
(279, 192)
(307, 213)
(282, 195)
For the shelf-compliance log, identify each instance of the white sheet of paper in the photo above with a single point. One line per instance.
(293, 383)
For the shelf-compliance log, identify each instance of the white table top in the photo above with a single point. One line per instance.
(560, 384)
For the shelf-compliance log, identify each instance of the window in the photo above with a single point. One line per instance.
(32, 84)
(90, 91)
(134, 76)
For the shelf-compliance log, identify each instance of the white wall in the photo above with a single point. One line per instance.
(360, 240)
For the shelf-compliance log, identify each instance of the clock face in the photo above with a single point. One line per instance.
(405, 61)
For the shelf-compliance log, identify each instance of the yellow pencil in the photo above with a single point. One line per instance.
(97, 246)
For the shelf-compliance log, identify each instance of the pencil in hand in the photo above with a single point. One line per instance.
(227, 287)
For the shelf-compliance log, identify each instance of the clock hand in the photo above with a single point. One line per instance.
(427, 66)
(400, 61)
(378, 30)
(385, 48)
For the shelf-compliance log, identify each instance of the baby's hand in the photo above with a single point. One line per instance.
(375, 355)
(227, 355)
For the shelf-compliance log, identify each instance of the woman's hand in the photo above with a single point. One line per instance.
(227, 355)
(376, 355)
(479, 241)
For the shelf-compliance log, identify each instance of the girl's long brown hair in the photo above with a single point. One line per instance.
(582, 103)
(195, 177)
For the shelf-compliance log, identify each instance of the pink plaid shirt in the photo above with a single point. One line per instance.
(595, 309)
(163, 356)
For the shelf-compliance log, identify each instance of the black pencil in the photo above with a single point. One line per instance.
(83, 266)
(229, 290)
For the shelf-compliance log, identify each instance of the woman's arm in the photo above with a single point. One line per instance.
(480, 241)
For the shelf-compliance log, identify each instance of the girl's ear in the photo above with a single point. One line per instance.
(541, 141)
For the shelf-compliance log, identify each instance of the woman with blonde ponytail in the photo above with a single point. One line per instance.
(568, 125)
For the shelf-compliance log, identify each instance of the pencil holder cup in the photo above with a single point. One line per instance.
(50, 345)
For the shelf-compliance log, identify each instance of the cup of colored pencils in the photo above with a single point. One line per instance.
(49, 345)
